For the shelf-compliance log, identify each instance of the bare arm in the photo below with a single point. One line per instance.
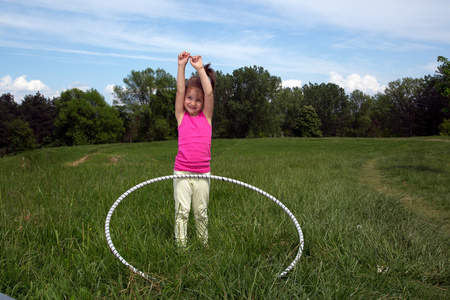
(183, 58)
(208, 107)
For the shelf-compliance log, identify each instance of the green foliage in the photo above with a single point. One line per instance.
(85, 118)
(331, 104)
(162, 129)
(246, 107)
(444, 75)
(429, 112)
(400, 105)
(382, 113)
(9, 110)
(308, 123)
(287, 105)
(444, 128)
(40, 114)
(360, 108)
(222, 94)
(139, 88)
(443, 86)
(20, 136)
(147, 98)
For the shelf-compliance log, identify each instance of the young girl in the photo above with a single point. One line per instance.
(193, 109)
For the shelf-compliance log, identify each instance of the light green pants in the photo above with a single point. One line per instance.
(187, 191)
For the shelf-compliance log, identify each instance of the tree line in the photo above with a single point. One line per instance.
(248, 103)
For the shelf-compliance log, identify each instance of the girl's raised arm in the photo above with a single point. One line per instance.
(183, 59)
(208, 106)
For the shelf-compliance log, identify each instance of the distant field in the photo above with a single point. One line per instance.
(375, 214)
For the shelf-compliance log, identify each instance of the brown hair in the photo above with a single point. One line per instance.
(195, 81)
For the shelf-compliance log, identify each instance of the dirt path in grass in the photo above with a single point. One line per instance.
(372, 177)
(111, 160)
(79, 161)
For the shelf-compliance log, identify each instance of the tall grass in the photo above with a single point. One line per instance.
(374, 212)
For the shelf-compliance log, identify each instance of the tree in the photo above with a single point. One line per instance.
(360, 108)
(9, 110)
(85, 118)
(308, 123)
(429, 112)
(40, 114)
(287, 105)
(222, 94)
(444, 128)
(248, 109)
(403, 95)
(20, 136)
(15, 133)
(443, 74)
(382, 123)
(135, 99)
(443, 86)
(138, 89)
(331, 104)
(162, 106)
(148, 100)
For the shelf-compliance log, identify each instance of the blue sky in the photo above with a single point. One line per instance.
(51, 45)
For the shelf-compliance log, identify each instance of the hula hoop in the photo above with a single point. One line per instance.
(114, 206)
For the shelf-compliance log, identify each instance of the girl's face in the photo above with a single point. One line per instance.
(193, 101)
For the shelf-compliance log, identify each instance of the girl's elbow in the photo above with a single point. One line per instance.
(209, 94)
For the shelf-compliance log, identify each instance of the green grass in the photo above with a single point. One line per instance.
(374, 213)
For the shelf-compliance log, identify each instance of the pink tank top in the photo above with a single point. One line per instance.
(194, 144)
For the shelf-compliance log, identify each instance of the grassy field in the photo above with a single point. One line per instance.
(374, 213)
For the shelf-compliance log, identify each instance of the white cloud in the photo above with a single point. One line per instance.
(8, 85)
(108, 93)
(79, 85)
(109, 89)
(291, 83)
(367, 84)
(20, 87)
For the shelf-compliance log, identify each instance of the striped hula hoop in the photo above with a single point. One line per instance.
(199, 176)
